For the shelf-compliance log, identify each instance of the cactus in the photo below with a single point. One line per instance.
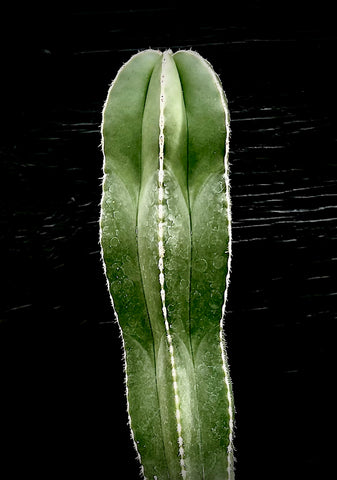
(165, 232)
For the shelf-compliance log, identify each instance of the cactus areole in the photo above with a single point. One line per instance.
(165, 232)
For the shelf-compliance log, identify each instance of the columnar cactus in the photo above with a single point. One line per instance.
(165, 232)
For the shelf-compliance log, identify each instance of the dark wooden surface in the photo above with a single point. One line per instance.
(63, 395)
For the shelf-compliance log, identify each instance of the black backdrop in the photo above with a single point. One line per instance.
(62, 386)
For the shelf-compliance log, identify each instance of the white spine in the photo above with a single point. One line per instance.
(161, 251)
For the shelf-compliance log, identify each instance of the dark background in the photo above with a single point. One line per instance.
(63, 408)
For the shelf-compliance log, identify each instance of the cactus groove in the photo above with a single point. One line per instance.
(165, 233)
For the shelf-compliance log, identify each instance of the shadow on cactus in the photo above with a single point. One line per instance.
(165, 232)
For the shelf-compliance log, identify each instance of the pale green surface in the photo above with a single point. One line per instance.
(195, 261)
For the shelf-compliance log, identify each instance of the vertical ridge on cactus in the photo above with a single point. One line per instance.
(165, 233)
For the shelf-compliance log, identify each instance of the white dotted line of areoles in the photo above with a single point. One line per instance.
(161, 250)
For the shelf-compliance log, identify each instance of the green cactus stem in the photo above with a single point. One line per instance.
(165, 232)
